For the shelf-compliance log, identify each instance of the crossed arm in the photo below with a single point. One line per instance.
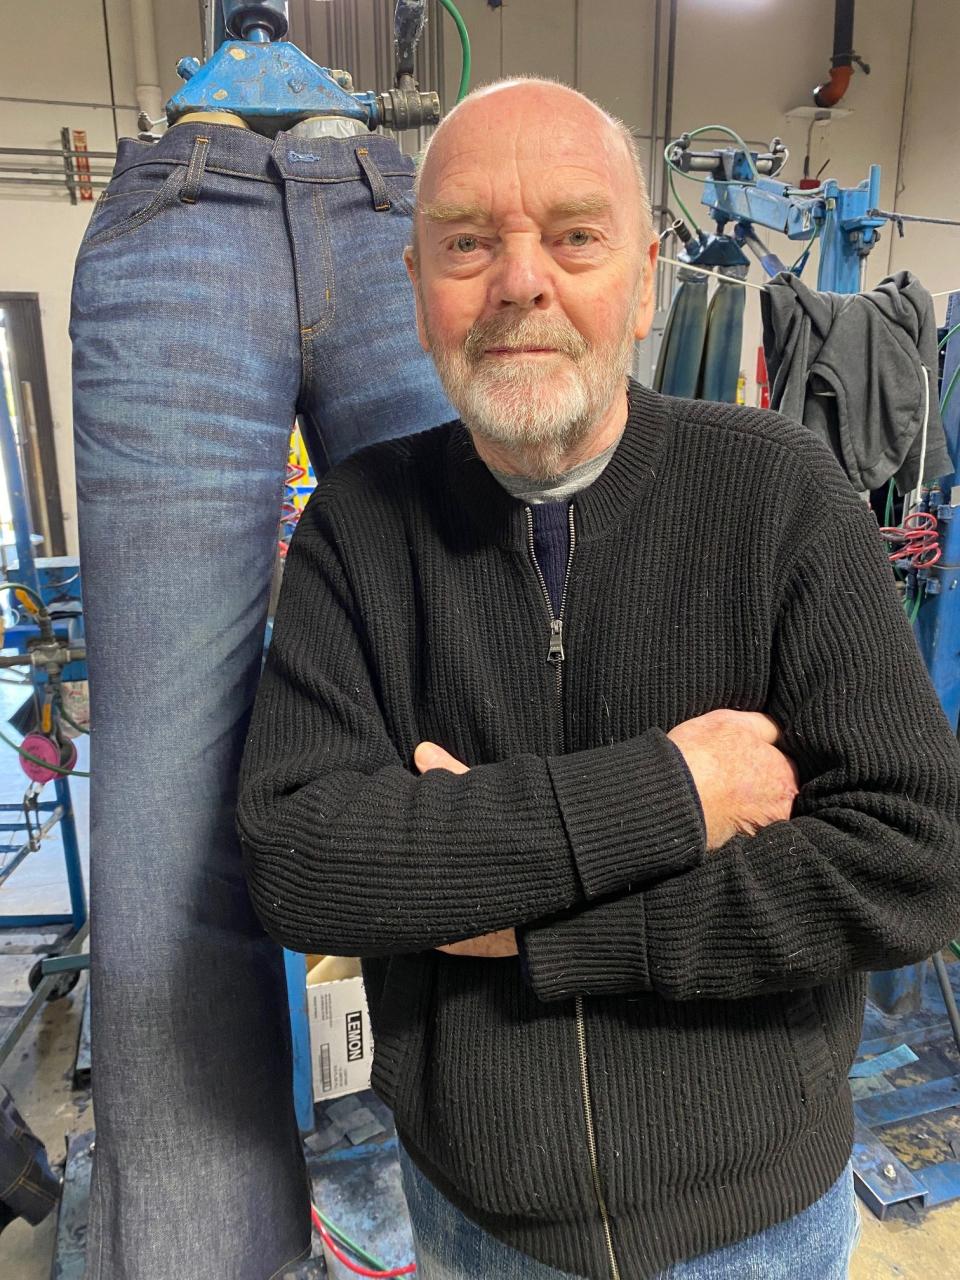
(349, 853)
(742, 779)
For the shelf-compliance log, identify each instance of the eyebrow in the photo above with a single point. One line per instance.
(575, 207)
(444, 212)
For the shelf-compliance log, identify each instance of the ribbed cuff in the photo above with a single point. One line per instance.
(631, 813)
(599, 951)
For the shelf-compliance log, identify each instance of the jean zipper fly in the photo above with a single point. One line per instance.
(555, 656)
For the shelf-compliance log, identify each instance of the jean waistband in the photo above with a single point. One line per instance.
(245, 154)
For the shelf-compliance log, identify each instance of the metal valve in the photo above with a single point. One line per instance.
(408, 108)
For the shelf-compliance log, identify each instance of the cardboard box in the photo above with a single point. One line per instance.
(340, 1039)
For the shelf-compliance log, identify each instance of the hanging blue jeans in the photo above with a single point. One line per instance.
(681, 352)
(225, 283)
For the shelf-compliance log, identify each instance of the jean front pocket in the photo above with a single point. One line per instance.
(130, 201)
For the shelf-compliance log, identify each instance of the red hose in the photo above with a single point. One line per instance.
(355, 1267)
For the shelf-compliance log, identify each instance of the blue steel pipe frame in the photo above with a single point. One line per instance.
(28, 574)
(938, 622)
(847, 233)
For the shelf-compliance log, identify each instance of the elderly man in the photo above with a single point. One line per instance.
(592, 722)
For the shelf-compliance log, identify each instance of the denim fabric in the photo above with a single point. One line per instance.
(225, 283)
(817, 1244)
(28, 1186)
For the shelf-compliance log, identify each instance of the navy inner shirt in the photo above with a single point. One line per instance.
(551, 545)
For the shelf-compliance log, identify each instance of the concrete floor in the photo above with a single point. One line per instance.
(39, 1075)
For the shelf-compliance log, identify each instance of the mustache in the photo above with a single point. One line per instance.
(529, 331)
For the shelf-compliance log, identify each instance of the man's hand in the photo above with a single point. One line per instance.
(743, 779)
(491, 946)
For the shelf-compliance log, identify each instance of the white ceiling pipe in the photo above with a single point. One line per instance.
(149, 95)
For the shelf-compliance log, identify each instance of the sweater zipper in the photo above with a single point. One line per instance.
(555, 656)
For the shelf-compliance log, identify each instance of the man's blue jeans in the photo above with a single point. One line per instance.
(226, 282)
(817, 1244)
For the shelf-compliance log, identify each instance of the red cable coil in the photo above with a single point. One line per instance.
(917, 539)
(355, 1267)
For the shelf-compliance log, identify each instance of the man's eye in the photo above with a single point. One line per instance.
(578, 239)
(465, 244)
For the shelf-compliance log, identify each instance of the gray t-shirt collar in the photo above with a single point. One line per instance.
(561, 487)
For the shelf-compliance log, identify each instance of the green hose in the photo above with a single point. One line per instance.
(673, 168)
(72, 723)
(454, 13)
(342, 1238)
(949, 391)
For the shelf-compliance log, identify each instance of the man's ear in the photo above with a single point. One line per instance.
(410, 262)
(643, 319)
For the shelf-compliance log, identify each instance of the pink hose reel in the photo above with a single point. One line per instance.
(63, 756)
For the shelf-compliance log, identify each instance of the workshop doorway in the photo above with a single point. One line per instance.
(24, 376)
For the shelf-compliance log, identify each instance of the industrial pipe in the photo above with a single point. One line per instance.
(831, 91)
(149, 95)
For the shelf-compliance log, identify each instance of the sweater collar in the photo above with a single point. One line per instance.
(499, 517)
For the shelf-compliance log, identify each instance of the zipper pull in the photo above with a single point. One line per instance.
(555, 652)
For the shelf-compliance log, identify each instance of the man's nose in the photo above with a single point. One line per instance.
(522, 276)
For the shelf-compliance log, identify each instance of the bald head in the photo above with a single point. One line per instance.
(553, 117)
(533, 271)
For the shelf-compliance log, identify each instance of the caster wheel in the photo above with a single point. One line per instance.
(63, 984)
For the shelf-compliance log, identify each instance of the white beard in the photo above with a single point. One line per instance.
(538, 407)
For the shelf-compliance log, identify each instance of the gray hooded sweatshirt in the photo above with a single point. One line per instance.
(852, 368)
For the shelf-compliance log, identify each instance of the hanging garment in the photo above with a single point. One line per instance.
(226, 282)
(681, 351)
(723, 341)
(859, 370)
(28, 1187)
(702, 341)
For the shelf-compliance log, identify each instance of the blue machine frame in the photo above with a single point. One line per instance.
(841, 218)
(44, 578)
(39, 577)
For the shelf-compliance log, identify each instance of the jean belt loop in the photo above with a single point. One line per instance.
(195, 170)
(378, 188)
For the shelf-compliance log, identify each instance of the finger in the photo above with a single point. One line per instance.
(429, 756)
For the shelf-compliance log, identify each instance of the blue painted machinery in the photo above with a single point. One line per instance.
(271, 85)
(52, 647)
(741, 192)
(701, 350)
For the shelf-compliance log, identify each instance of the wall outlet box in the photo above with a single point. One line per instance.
(340, 1040)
